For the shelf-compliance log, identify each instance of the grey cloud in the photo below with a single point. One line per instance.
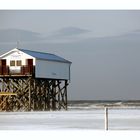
(128, 36)
(62, 35)
(137, 31)
(133, 34)
(67, 32)
(13, 35)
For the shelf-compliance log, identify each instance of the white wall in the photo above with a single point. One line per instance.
(17, 55)
(51, 69)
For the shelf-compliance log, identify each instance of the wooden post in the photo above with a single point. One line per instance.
(34, 95)
(48, 95)
(66, 95)
(3, 84)
(59, 106)
(106, 118)
(29, 95)
(54, 95)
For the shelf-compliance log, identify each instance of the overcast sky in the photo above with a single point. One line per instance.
(104, 47)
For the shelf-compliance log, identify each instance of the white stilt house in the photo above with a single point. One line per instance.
(31, 80)
(20, 62)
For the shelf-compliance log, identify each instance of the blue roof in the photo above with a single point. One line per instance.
(46, 56)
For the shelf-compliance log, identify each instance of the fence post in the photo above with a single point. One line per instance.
(106, 118)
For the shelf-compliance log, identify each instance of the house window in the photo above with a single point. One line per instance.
(18, 63)
(12, 63)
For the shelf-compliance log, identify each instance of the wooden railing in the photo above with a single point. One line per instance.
(25, 70)
(4, 70)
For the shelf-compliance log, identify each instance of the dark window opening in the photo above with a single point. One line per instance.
(12, 63)
(18, 63)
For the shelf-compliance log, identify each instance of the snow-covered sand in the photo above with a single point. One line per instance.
(93, 119)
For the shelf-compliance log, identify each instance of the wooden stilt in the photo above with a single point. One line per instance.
(66, 94)
(29, 95)
(59, 104)
(33, 94)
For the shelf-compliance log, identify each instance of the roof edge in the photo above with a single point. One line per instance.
(15, 49)
(69, 62)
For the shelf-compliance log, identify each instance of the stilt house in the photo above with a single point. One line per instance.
(32, 80)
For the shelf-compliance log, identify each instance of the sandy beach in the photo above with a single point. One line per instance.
(119, 119)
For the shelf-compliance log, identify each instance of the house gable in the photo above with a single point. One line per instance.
(15, 55)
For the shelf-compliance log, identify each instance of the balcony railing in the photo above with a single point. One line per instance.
(24, 71)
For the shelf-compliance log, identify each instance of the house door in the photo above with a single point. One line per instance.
(3, 69)
(3, 62)
(29, 62)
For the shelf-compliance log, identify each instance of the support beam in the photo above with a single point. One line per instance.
(33, 94)
(66, 83)
(29, 95)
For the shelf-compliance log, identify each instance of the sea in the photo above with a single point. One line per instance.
(96, 104)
